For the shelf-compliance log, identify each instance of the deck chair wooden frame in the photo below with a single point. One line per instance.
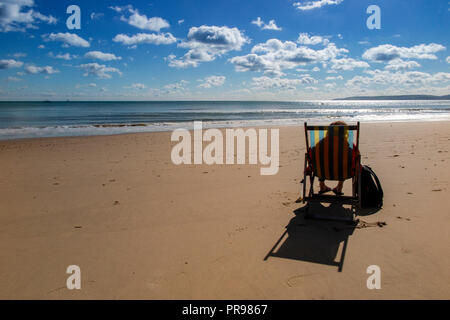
(310, 171)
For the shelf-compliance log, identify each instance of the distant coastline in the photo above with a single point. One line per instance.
(401, 97)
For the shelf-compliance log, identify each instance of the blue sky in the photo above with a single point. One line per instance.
(222, 50)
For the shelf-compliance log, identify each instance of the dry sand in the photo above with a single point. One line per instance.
(140, 227)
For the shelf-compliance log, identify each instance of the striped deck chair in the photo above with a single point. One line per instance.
(332, 154)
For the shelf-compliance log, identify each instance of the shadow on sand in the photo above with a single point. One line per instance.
(316, 241)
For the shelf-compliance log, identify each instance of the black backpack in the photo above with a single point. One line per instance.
(371, 191)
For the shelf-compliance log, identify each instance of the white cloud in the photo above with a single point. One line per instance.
(316, 69)
(334, 78)
(177, 87)
(69, 39)
(265, 82)
(387, 52)
(273, 56)
(304, 38)
(448, 59)
(65, 56)
(90, 85)
(47, 19)
(219, 39)
(19, 55)
(137, 86)
(212, 81)
(99, 70)
(101, 56)
(10, 63)
(205, 43)
(41, 46)
(187, 60)
(399, 64)
(385, 78)
(149, 38)
(309, 5)
(270, 26)
(32, 69)
(95, 16)
(180, 21)
(258, 22)
(142, 22)
(115, 8)
(17, 15)
(13, 79)
(119, 9)
(348, 64)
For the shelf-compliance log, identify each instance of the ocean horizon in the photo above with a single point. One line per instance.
(36, 119)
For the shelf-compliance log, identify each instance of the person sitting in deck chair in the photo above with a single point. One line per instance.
(321, 144)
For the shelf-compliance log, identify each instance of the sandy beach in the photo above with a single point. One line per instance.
(140, 227)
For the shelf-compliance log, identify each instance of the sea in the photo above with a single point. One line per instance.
(84, 118)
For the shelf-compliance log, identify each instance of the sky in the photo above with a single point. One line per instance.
(223, 50)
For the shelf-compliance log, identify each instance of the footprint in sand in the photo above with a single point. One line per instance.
(239, 229)
(405, 250)
(298, 280)
(363, 224)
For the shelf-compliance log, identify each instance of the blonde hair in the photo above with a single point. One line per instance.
(338, 123)
(341, 123)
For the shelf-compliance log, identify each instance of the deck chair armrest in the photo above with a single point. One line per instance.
(307, 165)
